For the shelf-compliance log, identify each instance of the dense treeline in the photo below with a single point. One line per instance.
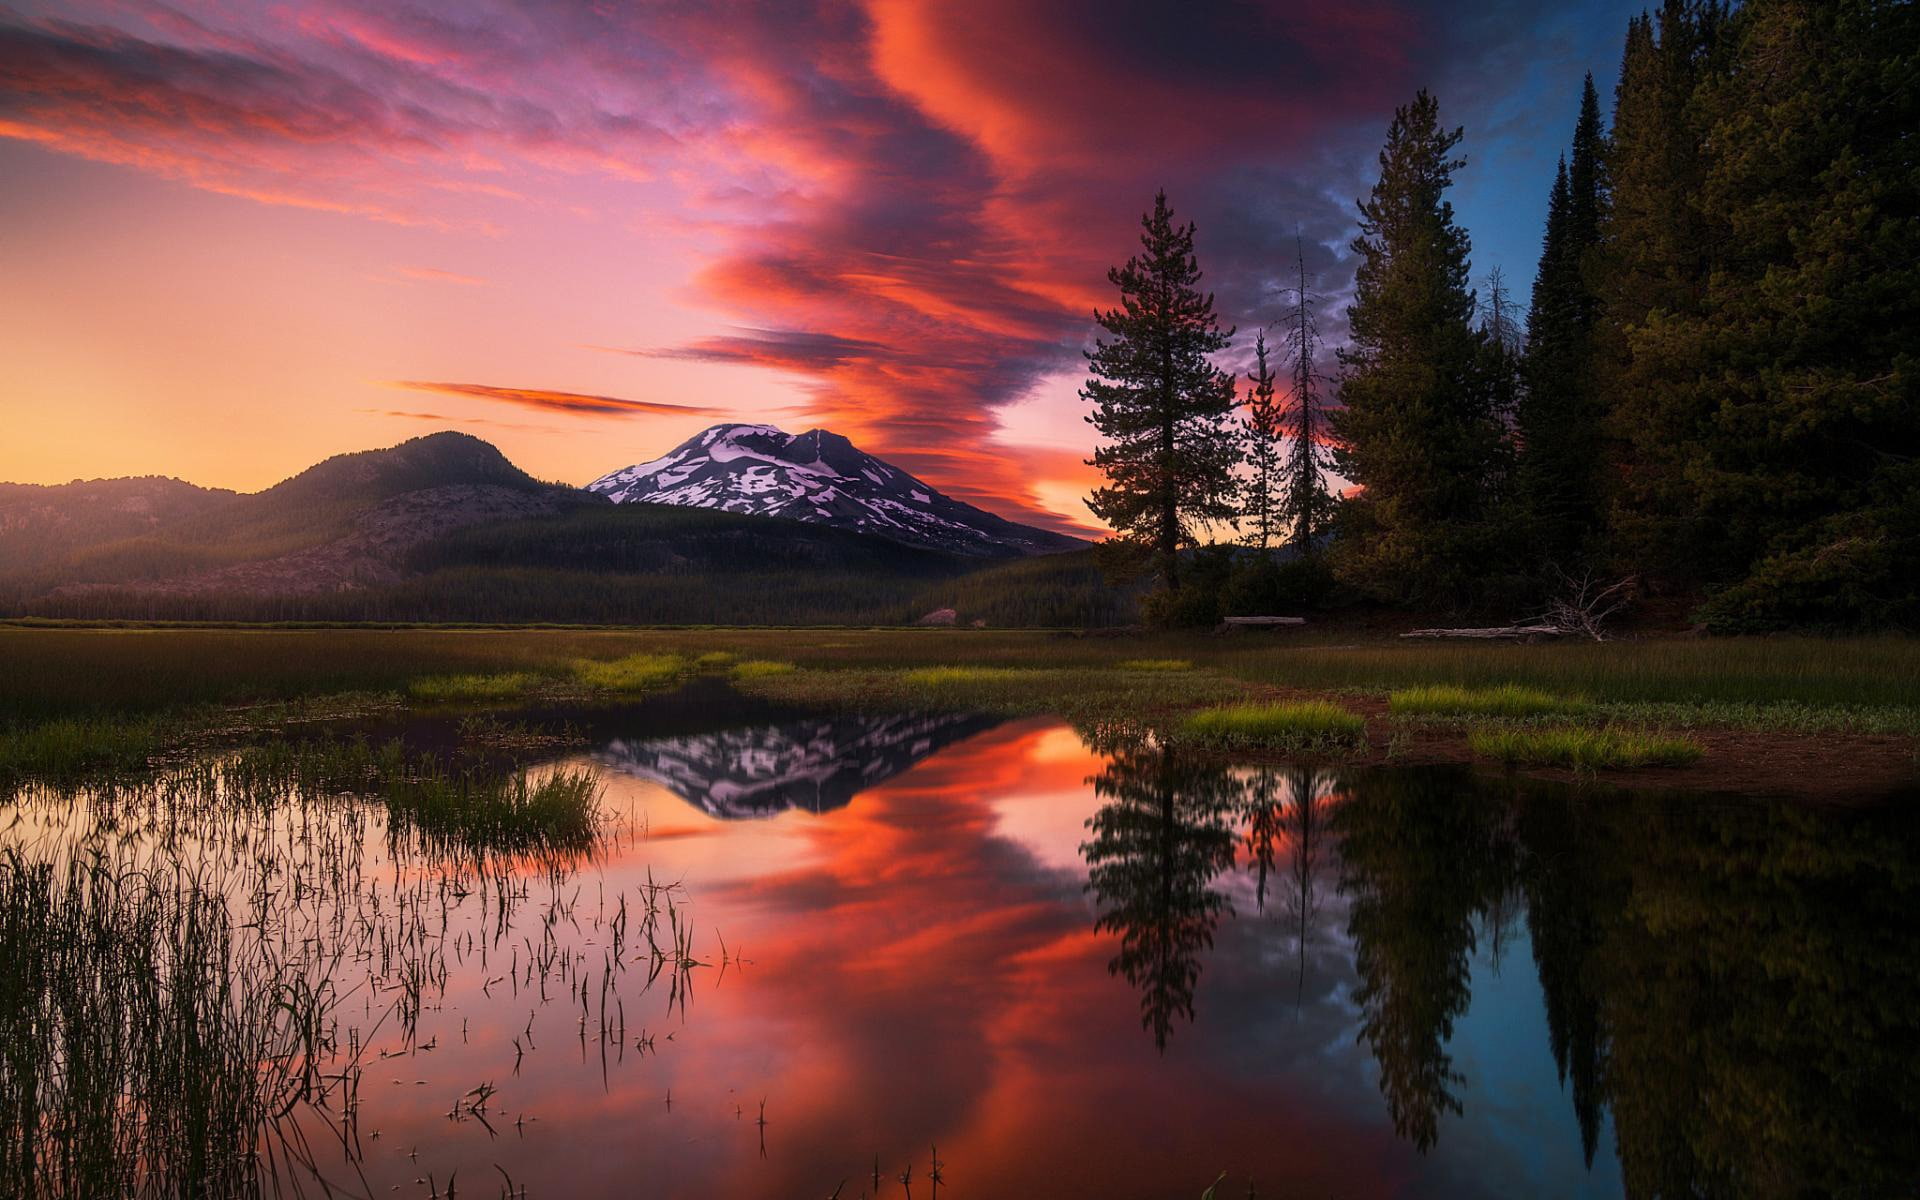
(1716, 392)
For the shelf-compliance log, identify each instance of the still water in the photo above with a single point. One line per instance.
(1063, 968)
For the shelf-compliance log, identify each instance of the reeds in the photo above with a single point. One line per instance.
(142, 1050)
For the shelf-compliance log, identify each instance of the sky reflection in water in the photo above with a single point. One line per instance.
(1084, 971)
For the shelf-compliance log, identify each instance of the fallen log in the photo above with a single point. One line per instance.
(1248, 624)
(1512, 633)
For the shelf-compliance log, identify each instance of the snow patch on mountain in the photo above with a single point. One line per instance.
(759, 470)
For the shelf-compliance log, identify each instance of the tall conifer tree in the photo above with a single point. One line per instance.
(1559, 419)
(1266, 425)
(1416, 429)
(1164, 408)
(1305, 503)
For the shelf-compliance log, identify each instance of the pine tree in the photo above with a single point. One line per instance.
(1305, 504)
(1417, 430)
(1655, 255)
(1805, 345)
(1164, 408)
(1266, 425)
(1559, 417)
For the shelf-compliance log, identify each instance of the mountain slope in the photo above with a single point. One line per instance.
(43, 524)
(820, 477)
(345, 522)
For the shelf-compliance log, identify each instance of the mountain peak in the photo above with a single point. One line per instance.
(820, 476)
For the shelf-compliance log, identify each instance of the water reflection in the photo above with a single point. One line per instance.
(816, 764)
(1099, 970)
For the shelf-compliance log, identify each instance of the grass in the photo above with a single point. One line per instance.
(1789, 684)
(943, 677)
(761, 668)
(1584, 749)
(456, 689)
(1505, 700)
(633, 673)
(1309, 725)
(557, 813)
(79, 747)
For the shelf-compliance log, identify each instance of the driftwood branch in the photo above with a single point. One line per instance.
(1518, 633)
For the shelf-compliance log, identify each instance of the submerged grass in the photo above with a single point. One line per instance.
(1303, 726)
(1584, 749)
(1504, 700)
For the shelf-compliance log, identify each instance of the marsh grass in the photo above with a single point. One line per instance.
(142, 1050)
(1503, 700)
(78, 747)
(632, 673)
(1584, 749)
(459, 689)
(1155, 664)
(760, 668)
(1081, 695)
(1302, 726)
(555, 813)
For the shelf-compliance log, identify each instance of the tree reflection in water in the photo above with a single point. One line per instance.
(1735, 981)
(1160, 837)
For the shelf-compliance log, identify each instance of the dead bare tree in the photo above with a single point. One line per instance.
(1583, 605)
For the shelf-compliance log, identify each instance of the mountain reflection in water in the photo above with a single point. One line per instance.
(815, 764)
(1094, 970)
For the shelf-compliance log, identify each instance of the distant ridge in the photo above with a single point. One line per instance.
(820, 476)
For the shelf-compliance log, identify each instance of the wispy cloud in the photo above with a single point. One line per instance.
(578, 403)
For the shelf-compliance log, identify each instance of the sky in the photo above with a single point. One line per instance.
(238, 237)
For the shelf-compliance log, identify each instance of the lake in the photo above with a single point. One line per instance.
(803, 949)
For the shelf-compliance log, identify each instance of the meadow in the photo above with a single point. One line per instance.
(80, 698)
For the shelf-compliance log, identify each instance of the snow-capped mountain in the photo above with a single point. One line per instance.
(819, 476)
(816, 764)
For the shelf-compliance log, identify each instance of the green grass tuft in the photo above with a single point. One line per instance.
(1584, 749)
(1505, 700)
(1156, 664)
(1305, 725)
(760, 668)
(634, 673)
(456, 689)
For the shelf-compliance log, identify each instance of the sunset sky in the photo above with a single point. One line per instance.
(236, 238)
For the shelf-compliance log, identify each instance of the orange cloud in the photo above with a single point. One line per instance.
(563, 402)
